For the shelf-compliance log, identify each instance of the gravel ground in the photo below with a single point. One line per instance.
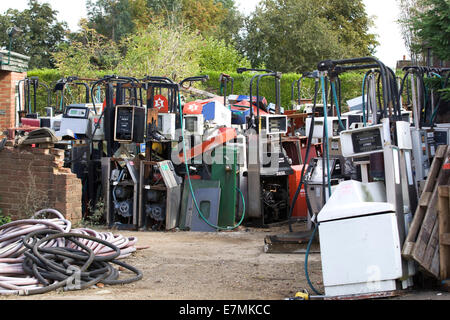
(213, 266)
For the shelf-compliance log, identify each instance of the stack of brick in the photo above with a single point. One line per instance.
(34, 179)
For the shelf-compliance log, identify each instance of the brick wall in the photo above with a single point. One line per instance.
(32, 179)
(8, 83)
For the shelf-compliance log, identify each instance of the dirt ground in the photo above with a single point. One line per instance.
(212, 266)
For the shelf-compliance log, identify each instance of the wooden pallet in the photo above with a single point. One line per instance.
(422, 241)
(444, 231)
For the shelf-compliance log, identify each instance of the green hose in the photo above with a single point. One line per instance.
(363, 101)
(192, 189)
(337, 106)
(308, 249)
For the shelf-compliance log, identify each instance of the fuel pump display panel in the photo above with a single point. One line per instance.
(124, 129)
(367, 141)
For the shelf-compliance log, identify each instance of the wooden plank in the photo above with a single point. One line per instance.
(435, 263)
(444, 239)
(424, 236)
(432, 246)
(426, 228)
(422, 210)
(444, 231)
(425, 251)
(425, 199)
(435, 168)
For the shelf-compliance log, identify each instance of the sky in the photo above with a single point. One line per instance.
(386, 13)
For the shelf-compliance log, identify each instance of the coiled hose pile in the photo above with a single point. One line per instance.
(41, 255)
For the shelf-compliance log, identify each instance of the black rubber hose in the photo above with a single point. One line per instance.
(54, 264)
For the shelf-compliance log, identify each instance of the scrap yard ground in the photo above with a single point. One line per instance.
(212, 266)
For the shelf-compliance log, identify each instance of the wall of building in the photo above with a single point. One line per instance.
(34, 179)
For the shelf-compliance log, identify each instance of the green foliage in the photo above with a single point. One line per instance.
(48, 77)
(88, 54)
(161, 51)
(4, 220)
(97, 215)
(218, 56)
(112, 19)
(350, 18)
(294, 35)
(432, 26)
(41, 33)
(158, 50)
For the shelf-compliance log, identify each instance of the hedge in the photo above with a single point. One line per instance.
(351, 84)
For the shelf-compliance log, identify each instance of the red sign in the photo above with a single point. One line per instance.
(193, 107)
(161, 103)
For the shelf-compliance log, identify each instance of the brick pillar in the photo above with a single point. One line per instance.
(8, 91)
(13, 68)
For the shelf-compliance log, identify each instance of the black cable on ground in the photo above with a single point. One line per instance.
(71, 269)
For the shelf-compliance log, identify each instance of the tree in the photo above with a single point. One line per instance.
(432, 27)
(203, 15)
(111, 18)
(408, 10)
(88, 54)
(41, 33)
(350, 19)
(161, 51)
(116, 19)
(231, 25)
(294, 35)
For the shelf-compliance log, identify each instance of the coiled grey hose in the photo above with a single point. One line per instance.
(14, 251)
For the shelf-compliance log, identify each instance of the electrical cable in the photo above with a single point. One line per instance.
(338, 106)
(364, 98)
(308, 249)
(434, 115)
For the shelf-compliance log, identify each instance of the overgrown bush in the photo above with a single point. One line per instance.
(216, 55)
(161, 51)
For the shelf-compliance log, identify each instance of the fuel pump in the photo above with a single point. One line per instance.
(111, 161)
(160, 185)
(357, 212)
(268, 166)
(30, 108)
(224, 79)
(425, 108)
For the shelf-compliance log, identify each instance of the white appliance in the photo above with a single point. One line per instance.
(76, 119)
(363, 141)
(274, 124)
(215, 114)
(333, 126)
(359, 241)
(193, 124)
(166, 125)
